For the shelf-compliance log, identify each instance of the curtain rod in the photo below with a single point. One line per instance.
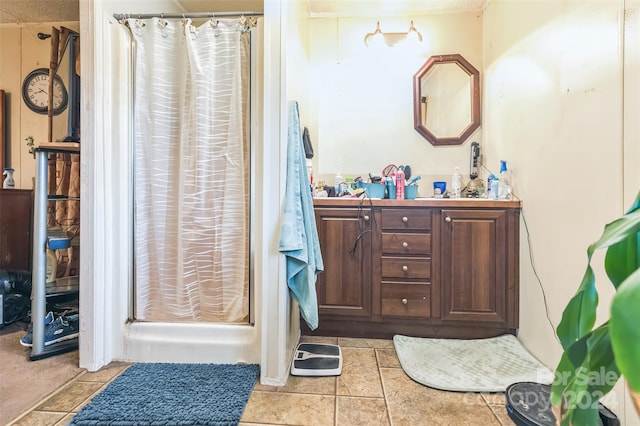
(121, 16)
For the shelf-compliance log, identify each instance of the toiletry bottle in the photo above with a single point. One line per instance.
(400, 184)
(504, 189)
(495, 184)
(489, 186)
(456, 183)
(338, 184)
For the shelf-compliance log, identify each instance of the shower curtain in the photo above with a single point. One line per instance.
(191, 169)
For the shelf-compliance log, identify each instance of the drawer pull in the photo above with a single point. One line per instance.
(447, 219)
(405, 219)
(405, 268)
(405, 301)
(405, 244)
(366, 217)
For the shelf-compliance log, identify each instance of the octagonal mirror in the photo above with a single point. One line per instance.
(446, 100)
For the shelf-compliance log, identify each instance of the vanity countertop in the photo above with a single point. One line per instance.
(418, 202)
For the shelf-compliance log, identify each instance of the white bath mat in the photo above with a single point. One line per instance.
(478, 365)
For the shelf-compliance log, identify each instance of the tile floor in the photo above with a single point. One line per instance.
(372, 390)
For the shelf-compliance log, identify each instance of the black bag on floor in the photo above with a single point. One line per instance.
(15, 296)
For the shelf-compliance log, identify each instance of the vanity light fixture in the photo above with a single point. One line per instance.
(391, 39)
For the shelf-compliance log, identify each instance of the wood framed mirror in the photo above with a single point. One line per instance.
(446, 100)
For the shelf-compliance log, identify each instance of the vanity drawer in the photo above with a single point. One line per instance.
(406, 300)
(399, 243)
(416, 219)
(406, 267)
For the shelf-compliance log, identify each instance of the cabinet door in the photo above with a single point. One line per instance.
(344, 288)
(16, 207)
(477, 266)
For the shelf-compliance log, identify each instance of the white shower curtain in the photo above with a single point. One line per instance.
(191, 170)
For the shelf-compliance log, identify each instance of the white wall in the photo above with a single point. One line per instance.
(362, 97)
(553, 107)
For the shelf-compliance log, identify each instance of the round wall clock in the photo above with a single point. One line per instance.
(35, 92)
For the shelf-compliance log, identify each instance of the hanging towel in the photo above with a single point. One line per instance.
(308, 148)
(298, 234)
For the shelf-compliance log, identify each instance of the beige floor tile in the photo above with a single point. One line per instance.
(411, 403)
(256, 424)
(319, 339)
(360, 376)
(501, 414)
(387, 358)
(289, 409)
(351, 342)
(361, 411)
(105, 374)
(496, 398)
(88, 399)
(65, 420)
(39, 418)
(302, 384)
(69, 397)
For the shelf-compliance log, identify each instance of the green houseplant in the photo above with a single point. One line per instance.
(594, 358)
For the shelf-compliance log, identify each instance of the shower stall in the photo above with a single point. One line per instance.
(118, 322)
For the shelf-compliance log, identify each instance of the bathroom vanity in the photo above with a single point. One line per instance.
(424, 267)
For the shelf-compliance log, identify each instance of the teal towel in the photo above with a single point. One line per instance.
(298, 234)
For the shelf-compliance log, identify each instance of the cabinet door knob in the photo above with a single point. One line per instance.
(405, 268)
(447, 219)
(366, 217)
(405, 219)
(405, 244)
(405, 301)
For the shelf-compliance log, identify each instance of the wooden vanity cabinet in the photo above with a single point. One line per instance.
(404, 256)
(427, 268)
(478, 266)
(344, 288)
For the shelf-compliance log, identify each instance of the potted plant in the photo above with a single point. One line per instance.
(595, 358)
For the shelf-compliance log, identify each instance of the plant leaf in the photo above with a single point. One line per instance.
(616, 231)
(625, 331)
(587, 371)
(622, 259)
(587, 416)
(565, 371)
(579, 315)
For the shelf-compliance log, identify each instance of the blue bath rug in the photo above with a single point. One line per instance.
(173, 394)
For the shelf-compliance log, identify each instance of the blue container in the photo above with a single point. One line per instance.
(373, 190)
(410, 192)
(441, 185)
